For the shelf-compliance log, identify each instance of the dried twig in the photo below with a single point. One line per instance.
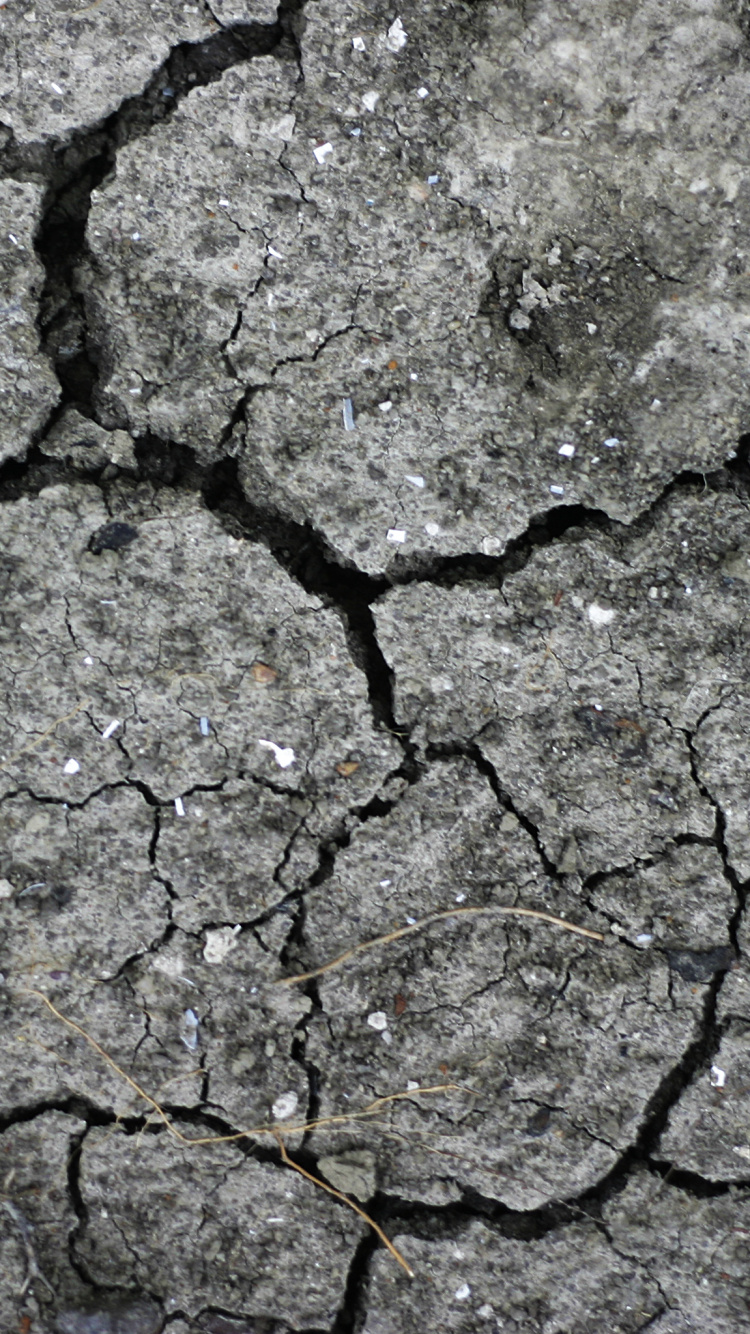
(345, 1200)
(274, 1130)
(443, 916)
(33, 1272)
(32, 745)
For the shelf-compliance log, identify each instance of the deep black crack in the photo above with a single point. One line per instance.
(71, 170)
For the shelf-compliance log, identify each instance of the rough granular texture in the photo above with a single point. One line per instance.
(374, 576)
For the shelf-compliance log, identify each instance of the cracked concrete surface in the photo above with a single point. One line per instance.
(374, 551)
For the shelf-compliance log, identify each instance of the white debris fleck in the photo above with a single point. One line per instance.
(189, 1034)
(386, 405)
(135, 236)
(348, 411)
(415, 479)
(89, 662)
(432, 529)
(396, 535)
(412, 1084)
(378, 1020)
(653, 592)
(71, 767)
(205, 727)
(385, 883)
(486, 1312)
(285, 1106)
(413, 374)
(396, 38)
(591, 328)
(179, 807)
(273, 252)
(610, 442)
(601, 615)
(6, 889)
(387, 1038)
(220, 942)
(491, 545)
(463, 1293)
(284, 756)
(460, 898)
(223, 203)
(688, 590)
(320, 153)
(567, 451)
(423, 92)
(13, 239)
(743, 1150)
(410, 921)
(655, 405)
(111, 728)
(431, 180)
(644, 938)
(557, 490)
(718, 1077)
(358, 44)
(370, 99)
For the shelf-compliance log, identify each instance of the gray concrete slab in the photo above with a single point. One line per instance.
(374, 479)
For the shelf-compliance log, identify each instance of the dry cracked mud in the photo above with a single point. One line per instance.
(375, 560)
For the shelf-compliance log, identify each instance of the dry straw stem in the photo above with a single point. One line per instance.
(274, 1130)
(32, 745)
(423, 922)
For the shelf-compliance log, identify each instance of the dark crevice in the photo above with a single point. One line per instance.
(71, 170)
(76, 1105)
(353, 1310)
(471, 751)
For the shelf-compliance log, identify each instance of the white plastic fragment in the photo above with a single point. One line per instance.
(415, 479)
(320, 153)
(223, 203)
(591, 328)
(370, 99)
(189, 1034)
(205, 727)
(13, 239)
(71, 767)
(378, 1020)
(385, 883)
(111, 728)
(283, 755)
(567, 451)
(348, 411)
(600, 615)
(285, 1106)
(356, 132)
(718, 1077)
(89, 661)
(460, 898)
(386, 405)
(431, 180)
(220, 942)
(179, 808)
(463, 1293)
(423, 92)
(410, 921)
(432, 529)
(273, 252)
(412, 1084)
(396, 535)
(358, 44)
(396, 39)
(610, 442)
(557, 490)
(644, 938)
(56, 89)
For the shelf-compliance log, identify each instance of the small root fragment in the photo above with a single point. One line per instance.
(345, 1200)
(423, 922)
